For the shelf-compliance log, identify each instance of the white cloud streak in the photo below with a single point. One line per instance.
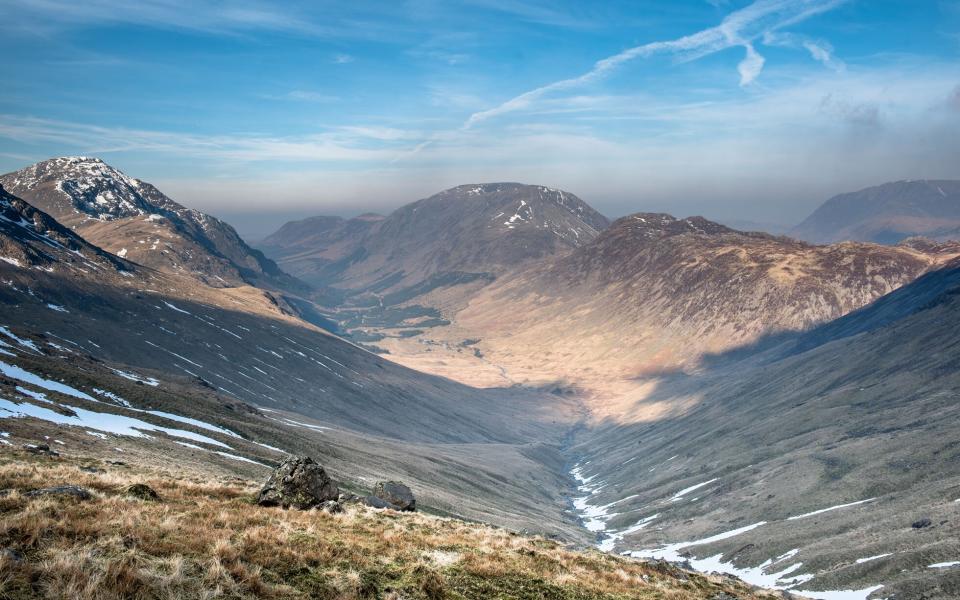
(340, 146)
(739, 28)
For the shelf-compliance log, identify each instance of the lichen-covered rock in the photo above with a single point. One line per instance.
(298, 482)
(395, 493)
(142, 491)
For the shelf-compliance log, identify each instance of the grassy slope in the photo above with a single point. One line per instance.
(205, 539)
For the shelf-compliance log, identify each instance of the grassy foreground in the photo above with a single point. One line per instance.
(206, 539)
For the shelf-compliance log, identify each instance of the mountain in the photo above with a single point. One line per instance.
(671, 291)
(469, 231)
(133, 219)
(89, 341)
(826, 462)
(887, 214)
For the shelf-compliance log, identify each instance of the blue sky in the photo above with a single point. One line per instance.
(259, 111)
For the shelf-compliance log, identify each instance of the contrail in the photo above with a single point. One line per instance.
(739, 28)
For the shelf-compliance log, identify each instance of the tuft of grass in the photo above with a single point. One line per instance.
(205, 539)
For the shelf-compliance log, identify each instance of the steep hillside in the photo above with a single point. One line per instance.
(654, 294)
(887, 214)
(133, 219)
(73, 313)
(830, 459)
(470, 229)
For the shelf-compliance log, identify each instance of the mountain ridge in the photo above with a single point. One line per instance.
(133, 218)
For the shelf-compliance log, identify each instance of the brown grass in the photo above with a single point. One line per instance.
(208, 540)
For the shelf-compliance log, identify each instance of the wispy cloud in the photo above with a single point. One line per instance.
(204, 16)
(750, 67)
(342, 59)
(339, 146)
(739, 28)
(820, 50)
(310, 96)
(545, 13)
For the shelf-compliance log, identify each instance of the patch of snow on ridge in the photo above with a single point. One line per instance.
(172, 307)
(23, 342)
(828, 509)
(686, 491)
(99, 421)
(762, 575)
(189, 421)
(842, 594)
(240, 458)
(594, 517)
(860, 561)
(608, 543)
(134, 377)
(53, 386)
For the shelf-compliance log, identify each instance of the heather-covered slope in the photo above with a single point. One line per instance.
(654, 293)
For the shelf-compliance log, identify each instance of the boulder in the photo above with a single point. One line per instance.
(68, 491)
(396, 494)
(142, 491)
(298, 482)
(921, 523)
(332, 507)
(374, 502)
(348, 498)
(43, 449)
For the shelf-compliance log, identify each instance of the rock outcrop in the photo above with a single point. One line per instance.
(298, 482)
(396, 494)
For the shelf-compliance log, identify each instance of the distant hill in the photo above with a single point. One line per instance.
(477, 230)
(887, 214)
(134, 220)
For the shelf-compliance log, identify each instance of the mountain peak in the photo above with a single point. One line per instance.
(511, 206)
(88, 187)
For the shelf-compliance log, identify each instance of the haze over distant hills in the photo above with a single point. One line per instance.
(887, 214)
